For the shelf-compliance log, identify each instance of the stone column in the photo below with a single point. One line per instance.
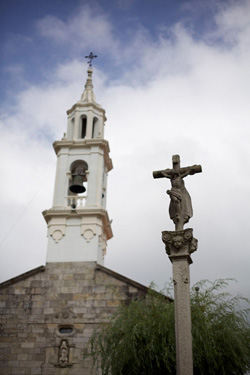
(179, 246)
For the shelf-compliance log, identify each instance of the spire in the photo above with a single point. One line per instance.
(88, 94)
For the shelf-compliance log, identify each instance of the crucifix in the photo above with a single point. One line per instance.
(180, 208)
(91, 56)
(179, 245)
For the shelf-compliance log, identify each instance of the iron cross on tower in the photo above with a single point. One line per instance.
(91, 56)
(180, 209)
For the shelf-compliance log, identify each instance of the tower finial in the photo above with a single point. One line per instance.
(91, 56)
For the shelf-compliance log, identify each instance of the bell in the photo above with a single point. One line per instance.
(77, 185)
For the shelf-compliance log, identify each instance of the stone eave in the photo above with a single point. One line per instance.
(126, 280)
(22, 277)
(80, 212)
(102, 143)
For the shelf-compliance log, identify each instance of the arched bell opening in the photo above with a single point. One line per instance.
(95, 127)
(83, 126)
(77, 183)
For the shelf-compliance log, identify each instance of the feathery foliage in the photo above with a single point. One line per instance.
(140, 338)
(220, 330)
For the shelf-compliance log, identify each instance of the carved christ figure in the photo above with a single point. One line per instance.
(180, 208)
(63, 353)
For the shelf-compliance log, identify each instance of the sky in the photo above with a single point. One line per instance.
(173, 77)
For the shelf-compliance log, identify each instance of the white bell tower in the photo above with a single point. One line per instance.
(78, 223)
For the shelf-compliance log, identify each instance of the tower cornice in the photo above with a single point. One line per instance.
(88, 105)
(72, 144)
(82, 213)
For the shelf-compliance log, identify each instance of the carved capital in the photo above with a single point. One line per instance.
(180, 243)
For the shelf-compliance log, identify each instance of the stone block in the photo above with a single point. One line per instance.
(48, 310)
(22, 334)
(87, 303)
(89, 276)
(22, 357)
(79, 276)
(79, 327)
(80, 310)
(30, 364)
(7, 371)
(36, 371)
(67, 289)
(18, 371)
(53, 277)
(20, 291)
(16, 350)
(35, 283)
(99, 289)
(6, 340)
(13, 364)
(4, 297)
(27, 345)
(113, 303)
(77, 297)
(38, 357)
(37, 330)
(99, 303)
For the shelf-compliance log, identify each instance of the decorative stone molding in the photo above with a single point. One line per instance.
(57, 228)
(88, 233)
(57, 235)
(65, 330)
(66, 355)
(63, 357)
(179, 243)
(64, 314)
(101, 143)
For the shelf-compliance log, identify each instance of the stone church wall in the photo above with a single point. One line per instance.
(48, 315)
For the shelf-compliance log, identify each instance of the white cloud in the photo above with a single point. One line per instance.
(194, 101)
(88, 28)
(234, 22)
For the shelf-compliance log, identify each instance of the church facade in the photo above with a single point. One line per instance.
(48, 314)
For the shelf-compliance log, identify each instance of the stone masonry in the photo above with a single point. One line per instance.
(48, 315)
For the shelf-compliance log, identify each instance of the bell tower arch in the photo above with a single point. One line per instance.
(78, 222)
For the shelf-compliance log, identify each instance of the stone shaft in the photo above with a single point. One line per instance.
(179, 246)
(183, 336)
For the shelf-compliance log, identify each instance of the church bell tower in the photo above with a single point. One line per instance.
(78, 223)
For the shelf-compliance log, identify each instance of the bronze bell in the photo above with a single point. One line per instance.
(77, 183)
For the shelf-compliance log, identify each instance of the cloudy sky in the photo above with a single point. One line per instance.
(173, 77)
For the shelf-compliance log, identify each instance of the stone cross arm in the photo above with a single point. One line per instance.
(167, 173)
(180, 209)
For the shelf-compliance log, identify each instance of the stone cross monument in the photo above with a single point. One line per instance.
(179, 245)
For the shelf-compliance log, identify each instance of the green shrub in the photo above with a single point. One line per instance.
(140, 338)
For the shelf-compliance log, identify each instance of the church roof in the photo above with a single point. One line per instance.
(22, 277)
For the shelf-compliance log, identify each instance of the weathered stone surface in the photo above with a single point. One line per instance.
(179, 246)
(180, 243)
(180, 209)
(34, 307)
